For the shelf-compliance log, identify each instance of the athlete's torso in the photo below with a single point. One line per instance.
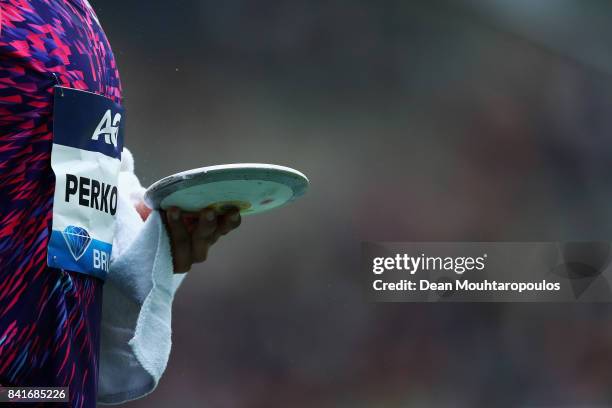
(49, 319)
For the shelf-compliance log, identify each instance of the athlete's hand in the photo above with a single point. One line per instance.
(193, 233)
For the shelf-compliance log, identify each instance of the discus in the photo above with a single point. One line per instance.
(251, 188)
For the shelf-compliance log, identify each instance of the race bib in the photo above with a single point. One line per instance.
(86, 158)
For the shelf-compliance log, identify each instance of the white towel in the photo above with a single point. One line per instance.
(137, 300)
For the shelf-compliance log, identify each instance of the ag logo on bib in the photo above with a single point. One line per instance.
(108, 128)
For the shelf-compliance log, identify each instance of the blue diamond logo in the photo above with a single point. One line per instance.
(77, 239)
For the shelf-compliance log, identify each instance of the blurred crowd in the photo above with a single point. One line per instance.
(415, 121)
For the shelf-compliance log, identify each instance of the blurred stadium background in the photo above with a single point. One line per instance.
(429, 120)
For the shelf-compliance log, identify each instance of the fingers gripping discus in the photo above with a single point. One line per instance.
(252, 188)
